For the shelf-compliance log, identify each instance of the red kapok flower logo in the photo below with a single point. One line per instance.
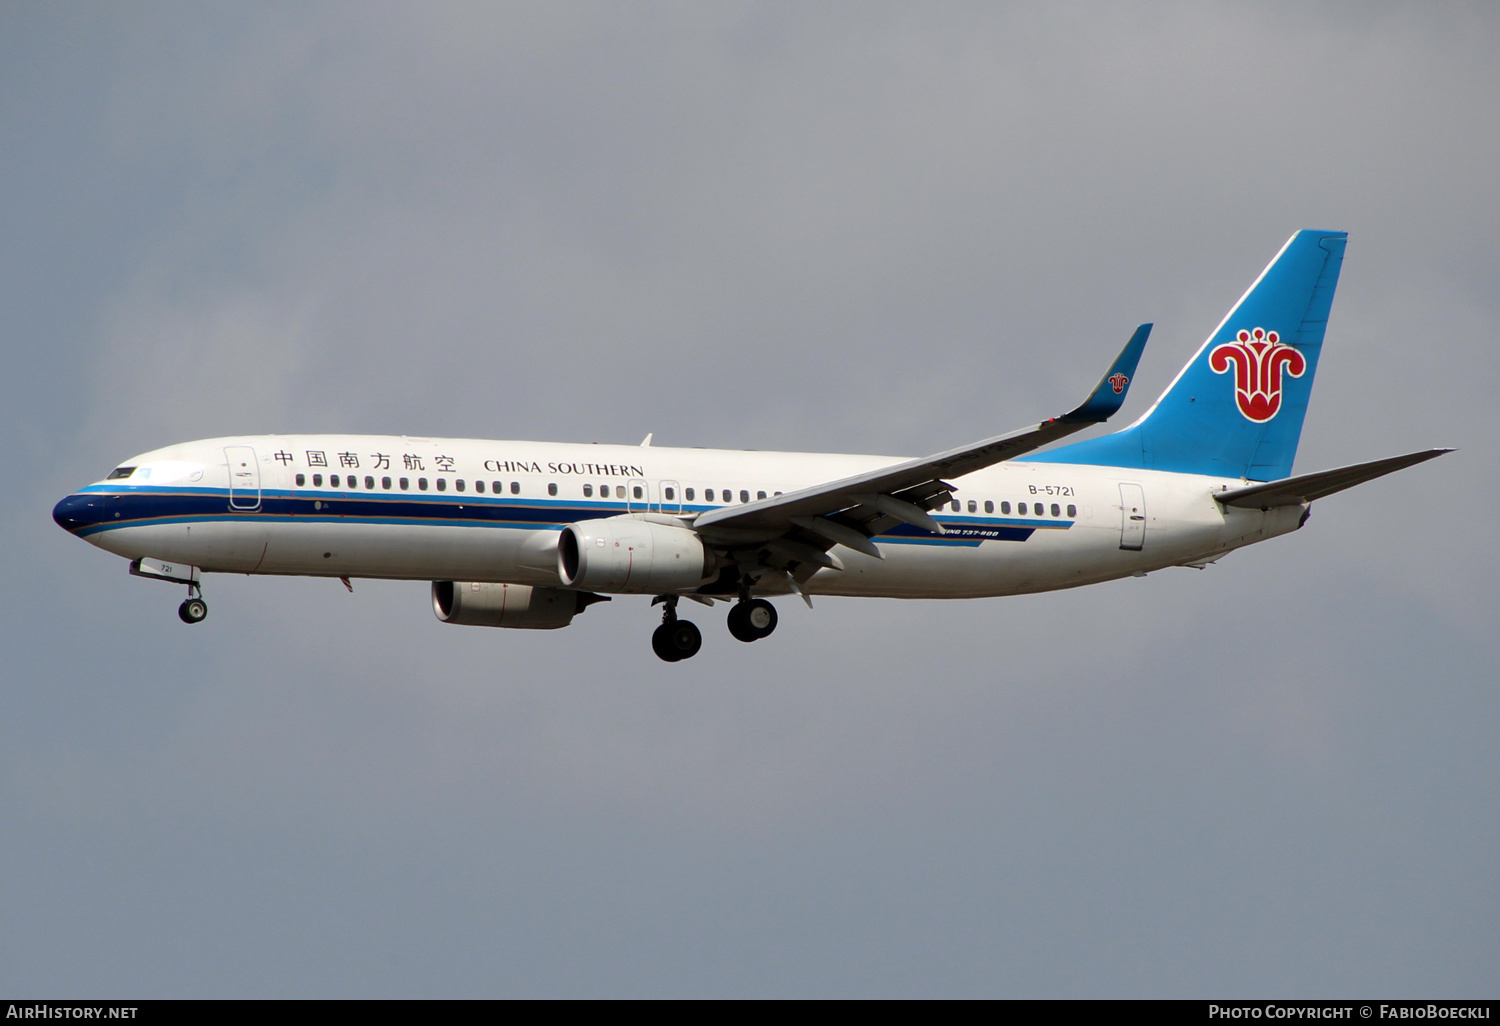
(1259, 359)
(1118, 381)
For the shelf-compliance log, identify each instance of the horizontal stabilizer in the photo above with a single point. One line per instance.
(1293, 491)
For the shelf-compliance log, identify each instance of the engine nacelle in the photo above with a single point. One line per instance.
(627, 554)
(481, 604)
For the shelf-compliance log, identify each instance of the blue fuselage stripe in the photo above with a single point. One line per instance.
(100, 508)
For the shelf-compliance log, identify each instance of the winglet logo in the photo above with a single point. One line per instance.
(1118, 381)
(1259, 360)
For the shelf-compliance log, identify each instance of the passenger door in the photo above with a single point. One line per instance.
(244, 477)
(1132, 517)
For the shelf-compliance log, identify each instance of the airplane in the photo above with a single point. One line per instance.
(530, 534)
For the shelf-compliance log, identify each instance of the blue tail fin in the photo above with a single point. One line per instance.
(1236, 409)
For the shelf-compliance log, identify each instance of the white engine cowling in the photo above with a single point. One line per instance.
(627, 554)
(481, 604)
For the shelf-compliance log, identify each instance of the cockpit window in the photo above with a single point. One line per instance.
(120, 472)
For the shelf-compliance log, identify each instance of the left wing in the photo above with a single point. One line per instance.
(795, 530)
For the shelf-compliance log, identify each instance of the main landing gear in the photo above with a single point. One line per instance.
(675, 639)
(752, 619)
(749, 620)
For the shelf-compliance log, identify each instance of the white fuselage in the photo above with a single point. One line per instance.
(471, 510)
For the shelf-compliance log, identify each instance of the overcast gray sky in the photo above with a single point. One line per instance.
(842, 227)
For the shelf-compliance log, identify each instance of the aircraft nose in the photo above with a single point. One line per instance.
(78, 511)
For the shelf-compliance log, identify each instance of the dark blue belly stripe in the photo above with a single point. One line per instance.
(97, 509)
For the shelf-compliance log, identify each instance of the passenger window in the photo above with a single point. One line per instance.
(1056, 511)
(989, 505)
(1072, 510)
(688, 494)
(744, 495)
(671, 494)
(551, 487)
(333, 480)
(973, 506)
(405, 484)
(515, 488)
(479, 487)
(369, 481)
(956, 505)
(385, 483)
(588, 491)
(1021, 508)
(760, 495)
(301, 480)
(317, 480)
(1005, 508)
(459, 484)
(442, 484)
(636, 491)
(497, 487)
(421, 484)
(708, 495)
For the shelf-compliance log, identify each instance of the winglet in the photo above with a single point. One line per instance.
(1107, 398)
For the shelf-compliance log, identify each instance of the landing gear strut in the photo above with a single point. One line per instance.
(752, 619)
(193, 609)
(675, 639)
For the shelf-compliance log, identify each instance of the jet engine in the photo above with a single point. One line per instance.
(481, 604)
(628, 554)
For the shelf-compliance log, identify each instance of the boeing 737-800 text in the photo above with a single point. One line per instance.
(529, 534)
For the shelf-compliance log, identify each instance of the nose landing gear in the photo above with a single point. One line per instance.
(752, 619)
(193, 608)
(675, 639)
